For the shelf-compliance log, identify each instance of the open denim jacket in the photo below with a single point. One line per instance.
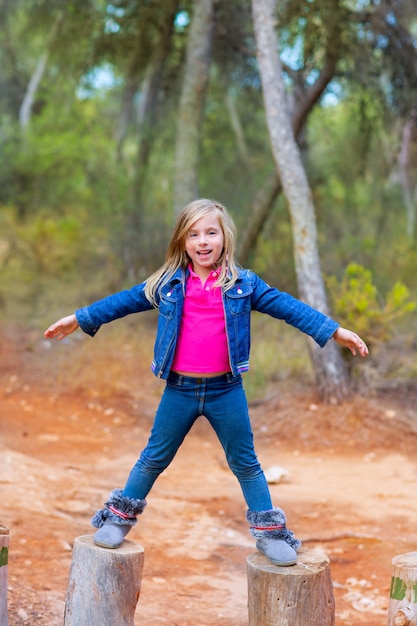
(249, 293)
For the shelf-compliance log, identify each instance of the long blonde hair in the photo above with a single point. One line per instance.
(177, 257)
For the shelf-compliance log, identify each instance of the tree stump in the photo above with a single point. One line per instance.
(104, 585)
(4, 559)
(298, 595)
(402, 610)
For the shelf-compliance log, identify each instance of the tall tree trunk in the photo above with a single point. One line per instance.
(25, 111)
(148, 113)
(262, 205)
(404, 173)
(260, 209)
(146, 117)
(191, 107)
(235, 122)
(331, 372)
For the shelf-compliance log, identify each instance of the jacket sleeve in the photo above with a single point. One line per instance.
(282, 305)
(113, 307)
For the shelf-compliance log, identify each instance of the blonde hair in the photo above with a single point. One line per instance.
(177, 257)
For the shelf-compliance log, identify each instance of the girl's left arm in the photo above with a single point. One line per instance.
(351, 340)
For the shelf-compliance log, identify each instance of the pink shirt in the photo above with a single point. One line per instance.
(202, 341)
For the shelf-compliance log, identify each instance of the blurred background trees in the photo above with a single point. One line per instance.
(96, 137)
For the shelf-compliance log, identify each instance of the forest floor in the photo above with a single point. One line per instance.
(350, 492)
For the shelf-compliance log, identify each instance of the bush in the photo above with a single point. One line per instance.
(357, 304)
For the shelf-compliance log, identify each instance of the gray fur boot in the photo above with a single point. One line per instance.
(116, 519)
(273, 537)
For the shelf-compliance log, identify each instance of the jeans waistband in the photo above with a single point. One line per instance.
(179, 379)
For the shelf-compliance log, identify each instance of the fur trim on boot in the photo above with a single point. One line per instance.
(119, 509)
(271, 525)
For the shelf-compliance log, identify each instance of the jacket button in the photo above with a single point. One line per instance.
(239, 291)
(168, 294)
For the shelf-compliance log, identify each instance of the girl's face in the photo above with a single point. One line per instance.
(204, 244)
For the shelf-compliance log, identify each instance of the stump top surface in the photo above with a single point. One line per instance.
(409, 559)
(127, 547)
(3, 530)
(308, 561)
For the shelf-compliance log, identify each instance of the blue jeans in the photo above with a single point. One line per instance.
(222, 400)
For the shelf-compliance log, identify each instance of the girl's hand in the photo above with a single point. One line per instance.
(63, 327)
(351, 340)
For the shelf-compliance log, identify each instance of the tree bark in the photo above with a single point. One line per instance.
(331, 372)
(25, 111)
(148, 113)
(404, 174)
(264, 201)
(236, 124)
(4, 559)
(104, 585)
(403, 593)
(146, 118)
(191, 107)
(301, 595)
(260, 209)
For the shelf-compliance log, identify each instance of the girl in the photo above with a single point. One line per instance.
(204, 301)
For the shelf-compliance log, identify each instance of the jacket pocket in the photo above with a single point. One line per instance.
(238, 299)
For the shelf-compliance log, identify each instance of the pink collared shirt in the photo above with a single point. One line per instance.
(202, 340)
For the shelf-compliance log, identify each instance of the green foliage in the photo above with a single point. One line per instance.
(357, 304)
(74, 200)
(45, 245)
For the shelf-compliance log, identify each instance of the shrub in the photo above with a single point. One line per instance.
(357, 304)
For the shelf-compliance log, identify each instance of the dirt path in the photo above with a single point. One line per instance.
(350, 491)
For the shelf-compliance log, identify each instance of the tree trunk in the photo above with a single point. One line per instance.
(264, 201)
(146, 117)
(330, 370)
(300, 595)
(403, 593)
(148, 113)
(4, 559)
(25, 111)
(191, 107)
(404, 173)
(236, 124)
(104, 585)
(260, 209)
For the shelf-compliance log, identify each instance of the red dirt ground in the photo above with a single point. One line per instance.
(350, 492)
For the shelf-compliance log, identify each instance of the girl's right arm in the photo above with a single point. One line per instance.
(90, 318)
(63, 327)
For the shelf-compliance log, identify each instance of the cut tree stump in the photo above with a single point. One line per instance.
(4, 559)
(402, 610)
(297, 595)
(104, 585)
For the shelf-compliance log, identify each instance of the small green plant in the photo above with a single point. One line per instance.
(356, 303)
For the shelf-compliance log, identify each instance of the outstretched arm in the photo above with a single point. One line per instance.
(351, 340)
(63, 327)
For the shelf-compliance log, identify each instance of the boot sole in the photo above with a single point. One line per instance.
(106, 545)
(279, 563)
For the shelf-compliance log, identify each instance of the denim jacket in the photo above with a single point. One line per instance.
(249, 293)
